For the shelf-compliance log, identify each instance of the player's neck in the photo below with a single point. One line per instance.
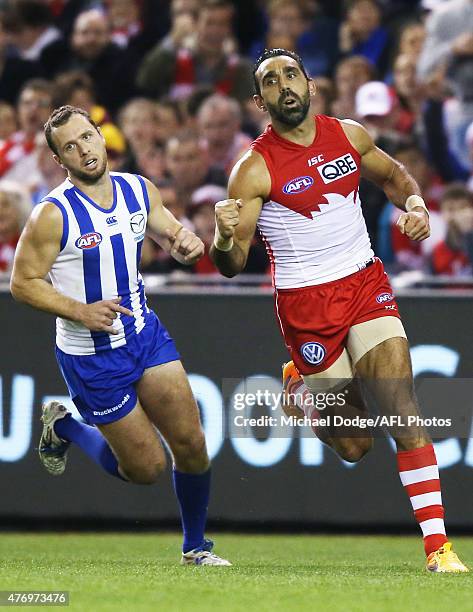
(101, 191)
(303, 134)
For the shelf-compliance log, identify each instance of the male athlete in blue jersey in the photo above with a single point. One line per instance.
(118, 360)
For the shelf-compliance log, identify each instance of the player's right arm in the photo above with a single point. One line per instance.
(235, 219)
(36, 253)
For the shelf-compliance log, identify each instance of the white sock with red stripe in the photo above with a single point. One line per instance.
(420, 477)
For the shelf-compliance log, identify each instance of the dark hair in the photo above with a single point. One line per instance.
(268, 53)
(456, 191)
(67, 83)
(20, 14)
(59, 117)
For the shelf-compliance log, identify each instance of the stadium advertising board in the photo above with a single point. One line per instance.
(229, 344)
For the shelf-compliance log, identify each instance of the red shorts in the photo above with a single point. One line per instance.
(315, 320)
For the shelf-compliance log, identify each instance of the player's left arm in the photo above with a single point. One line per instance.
(392, 177)
(171, 235)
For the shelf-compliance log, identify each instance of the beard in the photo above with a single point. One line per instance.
(91, 177)
(290, 115)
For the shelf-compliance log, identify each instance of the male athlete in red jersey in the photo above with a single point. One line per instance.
(298, 184)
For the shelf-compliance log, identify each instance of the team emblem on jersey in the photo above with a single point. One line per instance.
(313, 352)
(89, 241)
(337, 168)
(384, 297)
(298, 185)
(137, 223)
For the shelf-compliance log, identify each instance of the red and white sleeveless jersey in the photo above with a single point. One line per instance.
(312, 223)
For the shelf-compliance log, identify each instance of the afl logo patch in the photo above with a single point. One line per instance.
(313, 352)
(137, 223)
(384, 297)
(89, 241)
(298, 185)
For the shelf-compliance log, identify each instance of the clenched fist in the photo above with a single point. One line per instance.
(227, 217)
(415, 225)
(186, 247)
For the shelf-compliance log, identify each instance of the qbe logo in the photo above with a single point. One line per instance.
(337, 168)
(89, 241)
(384, 297)
(298, 185)
(313, 352)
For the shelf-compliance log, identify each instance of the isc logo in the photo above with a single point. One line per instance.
(337, 168)
(298, 185)
(89, 241)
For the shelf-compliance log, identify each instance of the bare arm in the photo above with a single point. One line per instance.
(235, 218)
(392, 177)
(171, 235)
(37, 251)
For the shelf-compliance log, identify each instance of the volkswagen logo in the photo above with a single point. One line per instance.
(313, 352)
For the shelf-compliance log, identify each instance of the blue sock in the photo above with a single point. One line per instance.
(90, 441)
(192, 492)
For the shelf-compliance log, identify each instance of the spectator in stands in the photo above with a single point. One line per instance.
(409, 92)
(449, 44)
(8, 124)
(30, 24)
(15, 208)
(287, 21)
(351, 73)
(395, 247)
(153, 258)
(453, 256)
(202, 215)
(321, 103)
(187, 164)
(378, 109)
(411, 39)
(184, 14)
(111, 68)
(17, 159)
(125, 20)
(293, 25)
(169, 119)
(138, 122)
(77, 89)
(51, 174)
(13, 70)
(169, 195)
(219, 121)
(176, 72)
(375, 108)
(361, 33)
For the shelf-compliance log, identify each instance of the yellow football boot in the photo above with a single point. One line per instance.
(292, 385)
(444, 560)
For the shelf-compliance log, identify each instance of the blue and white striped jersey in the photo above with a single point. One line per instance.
(99, 257)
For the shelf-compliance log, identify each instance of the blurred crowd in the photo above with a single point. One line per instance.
(170, 84)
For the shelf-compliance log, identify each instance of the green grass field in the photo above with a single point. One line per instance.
(126, 572)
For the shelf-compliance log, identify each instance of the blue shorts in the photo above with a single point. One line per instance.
(103, 386)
